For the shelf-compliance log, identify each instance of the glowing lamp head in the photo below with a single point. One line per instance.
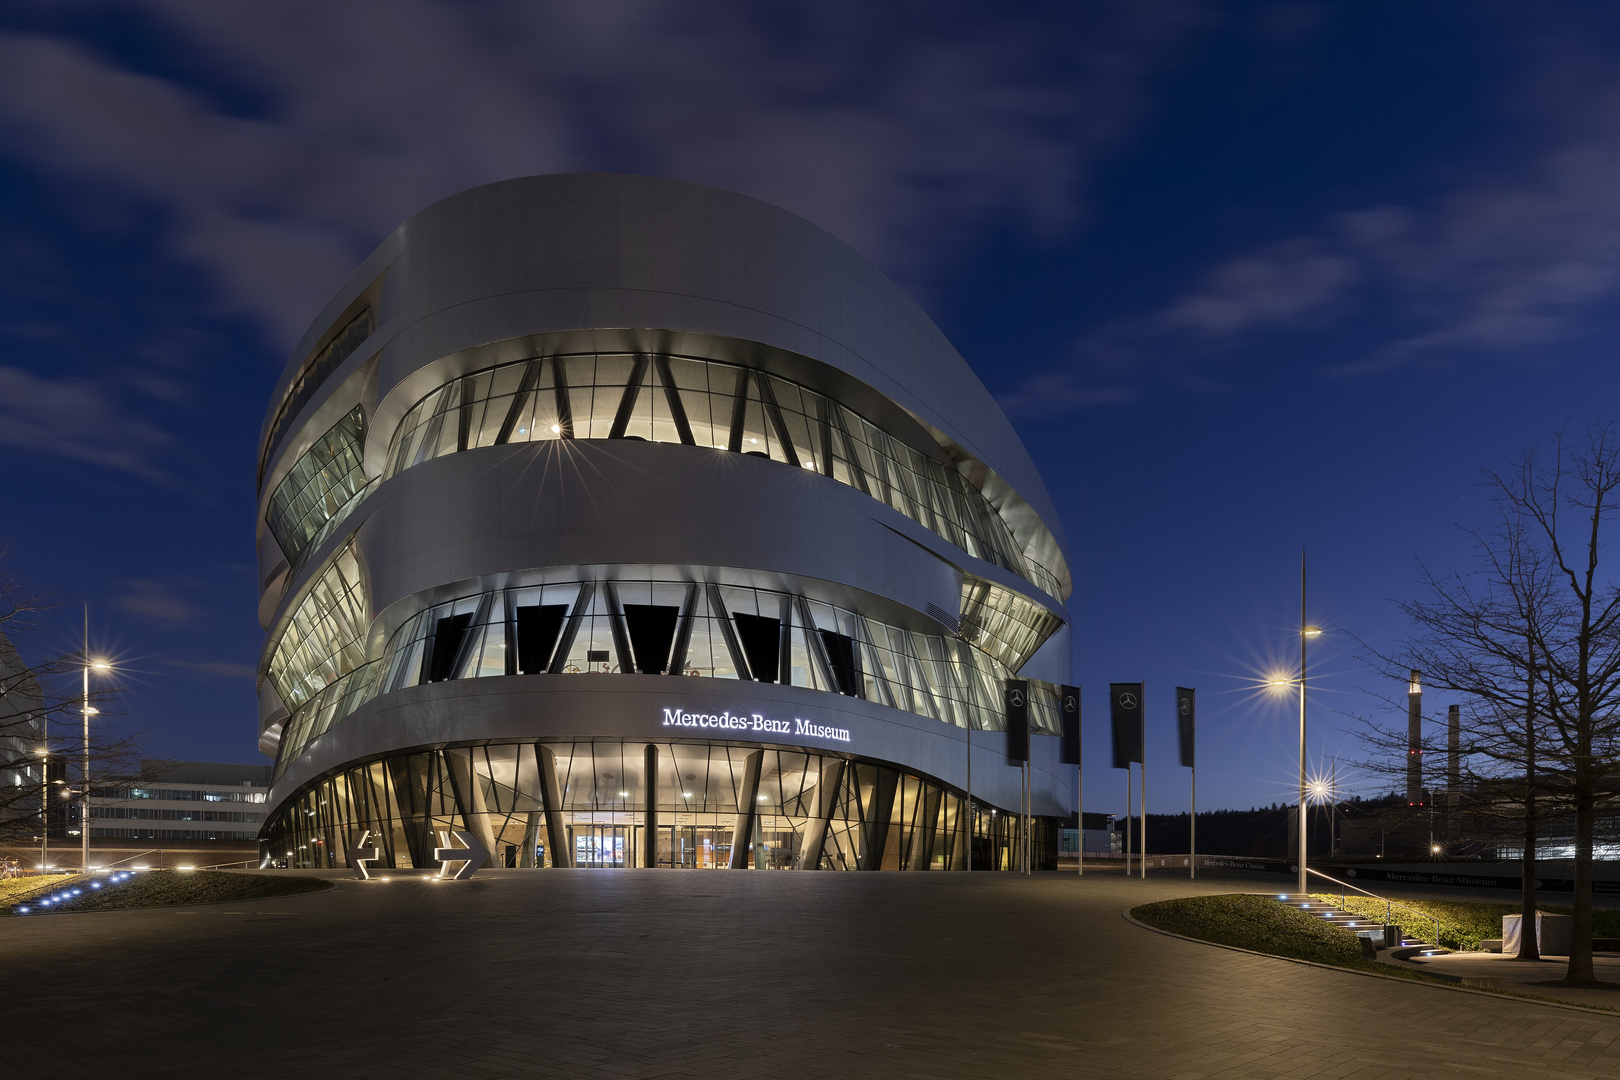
(100, 665)
(1312, 631)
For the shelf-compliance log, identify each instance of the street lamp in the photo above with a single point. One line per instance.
(100, 666)
(44, 803)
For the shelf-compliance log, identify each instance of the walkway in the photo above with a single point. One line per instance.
(717, 974)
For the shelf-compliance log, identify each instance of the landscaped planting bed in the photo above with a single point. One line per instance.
(163, 888)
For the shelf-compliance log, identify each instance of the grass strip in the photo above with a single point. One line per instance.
(167, 888)
(1263, 925)
(15, 890)
(1255, 922)
(1463, 923)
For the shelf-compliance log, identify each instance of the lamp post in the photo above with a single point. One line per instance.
(44, 801)
(1305, 634)
(84, 778)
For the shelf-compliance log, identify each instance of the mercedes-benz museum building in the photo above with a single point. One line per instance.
(624, 522)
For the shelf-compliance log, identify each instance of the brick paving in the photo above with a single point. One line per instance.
(600, 973)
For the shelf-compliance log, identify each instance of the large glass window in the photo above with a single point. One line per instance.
(1002, 623)
(323, 640)
(311, 378)
(662, 398)
(324, 483)
(691, 628)
(595, 803)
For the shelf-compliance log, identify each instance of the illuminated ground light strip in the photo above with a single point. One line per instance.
(67, 894)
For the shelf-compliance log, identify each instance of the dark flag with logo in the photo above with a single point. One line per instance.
(1187, 723)
(1017, 702)
(1069, 715)
(1125, 708)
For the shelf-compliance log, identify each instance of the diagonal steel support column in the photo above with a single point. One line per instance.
(742, 832)
(815, 831)
(551, 792)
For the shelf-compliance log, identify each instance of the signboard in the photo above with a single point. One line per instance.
(1017, 712)
(1069, 716)
(1186, 723)
(1125, 709)
(753, 723)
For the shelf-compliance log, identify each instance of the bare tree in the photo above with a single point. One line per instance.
(41, 716)
(1531, 638)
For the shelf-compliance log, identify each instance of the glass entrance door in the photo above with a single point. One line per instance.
(694, 847)
(604, 845)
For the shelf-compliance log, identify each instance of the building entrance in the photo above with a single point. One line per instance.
(694, 847)
(606, 846)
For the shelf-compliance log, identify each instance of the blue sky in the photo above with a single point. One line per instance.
(1250, 278)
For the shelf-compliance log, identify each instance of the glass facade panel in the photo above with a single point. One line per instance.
(943, 678)
(323, 639)
(877, 817)
(725, 406)
(326, 482)
(341, 347)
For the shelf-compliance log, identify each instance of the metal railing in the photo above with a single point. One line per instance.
(1389, 905)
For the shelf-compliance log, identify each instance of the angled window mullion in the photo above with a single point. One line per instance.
(520, 400)
(464, 417)
(627, 403)
(582, 607)
(621, 639)
(739, 412)
(784, 661)
(676, 410)
(851, 458)
(717, 612)
(509, 618)
(823, 407)
(683, 635)
(565, 412)
(774, 413)
(814, 645)
(427, 449)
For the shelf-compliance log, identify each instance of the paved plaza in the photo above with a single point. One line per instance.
(602, 973)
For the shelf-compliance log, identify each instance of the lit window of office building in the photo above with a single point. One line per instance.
(622, 522)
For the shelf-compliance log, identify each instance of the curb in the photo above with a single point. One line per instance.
(1494, 995)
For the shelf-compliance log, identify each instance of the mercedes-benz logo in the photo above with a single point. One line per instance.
(1016, 697)
(1069, 704)
(1127, 701)
(1186, 707)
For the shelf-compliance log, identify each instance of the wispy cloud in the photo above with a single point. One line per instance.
(223, 668)
(1514, 259)
(155, 600)
(903, 128)
(75, 418)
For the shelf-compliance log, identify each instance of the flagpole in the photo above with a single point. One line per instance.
(1129, 807)
(1192, 829)
(968, 731)
(1079, 799)
(1142, 704)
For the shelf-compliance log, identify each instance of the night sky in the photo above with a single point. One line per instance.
(1249, 278)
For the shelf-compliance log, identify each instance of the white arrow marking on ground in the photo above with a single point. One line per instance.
(471, 856)
(362, 851)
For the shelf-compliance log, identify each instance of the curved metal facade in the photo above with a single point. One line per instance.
(609, 425)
